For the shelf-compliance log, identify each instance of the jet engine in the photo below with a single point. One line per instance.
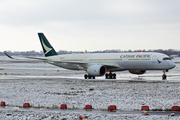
(96, 70)
(137, 71)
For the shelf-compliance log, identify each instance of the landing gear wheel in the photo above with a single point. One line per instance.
(88, 77)
(164, 77)
(85, 76)
(114, 76)
(110, 76)
(107, 76)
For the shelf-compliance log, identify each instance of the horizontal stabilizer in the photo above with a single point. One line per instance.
(8, 55)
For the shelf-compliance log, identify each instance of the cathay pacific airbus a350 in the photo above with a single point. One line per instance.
(99, 64)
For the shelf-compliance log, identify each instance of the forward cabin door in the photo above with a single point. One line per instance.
(125, 60)
(154, 59)
(125, 63)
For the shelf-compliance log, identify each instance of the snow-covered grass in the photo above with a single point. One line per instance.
(126, 96)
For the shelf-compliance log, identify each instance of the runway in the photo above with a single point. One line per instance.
(177, 113)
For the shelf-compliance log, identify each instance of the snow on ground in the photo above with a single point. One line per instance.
(126, 96)
(20, 83)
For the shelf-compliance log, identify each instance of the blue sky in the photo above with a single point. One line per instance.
(91, 25)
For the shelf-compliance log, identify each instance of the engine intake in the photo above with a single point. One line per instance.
(96, 70)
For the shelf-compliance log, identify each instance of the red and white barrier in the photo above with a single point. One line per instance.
(88, 107)
(146, 108)
(26, 105)
(112, 107)
(63, 106)
(175, 108)
(3, 103)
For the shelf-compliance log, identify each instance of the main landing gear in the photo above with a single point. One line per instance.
(164, 77)
(88, 77)
(110, 75)
(107, 76)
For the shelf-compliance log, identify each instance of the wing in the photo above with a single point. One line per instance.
(85, 64)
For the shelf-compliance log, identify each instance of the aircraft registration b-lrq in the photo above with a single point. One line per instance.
(99, 64)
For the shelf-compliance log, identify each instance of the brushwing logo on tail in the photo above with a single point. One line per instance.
(46, 47)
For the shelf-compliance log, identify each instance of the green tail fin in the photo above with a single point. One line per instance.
(47, 48)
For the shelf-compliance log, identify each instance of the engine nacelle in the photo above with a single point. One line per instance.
(96, 70)
(137, 71)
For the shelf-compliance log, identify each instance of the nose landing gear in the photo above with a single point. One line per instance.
(164, 77)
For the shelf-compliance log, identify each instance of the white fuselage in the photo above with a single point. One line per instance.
(120, 61)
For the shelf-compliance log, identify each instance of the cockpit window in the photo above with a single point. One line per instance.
(166, 58)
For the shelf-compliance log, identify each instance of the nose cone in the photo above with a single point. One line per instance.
(172, 65)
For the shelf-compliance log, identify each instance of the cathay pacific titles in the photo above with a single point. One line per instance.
(136, 56)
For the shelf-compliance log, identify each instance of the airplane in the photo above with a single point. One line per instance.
(100, 64)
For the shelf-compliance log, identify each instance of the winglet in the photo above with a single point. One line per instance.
(47, 48)
(8, 55)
